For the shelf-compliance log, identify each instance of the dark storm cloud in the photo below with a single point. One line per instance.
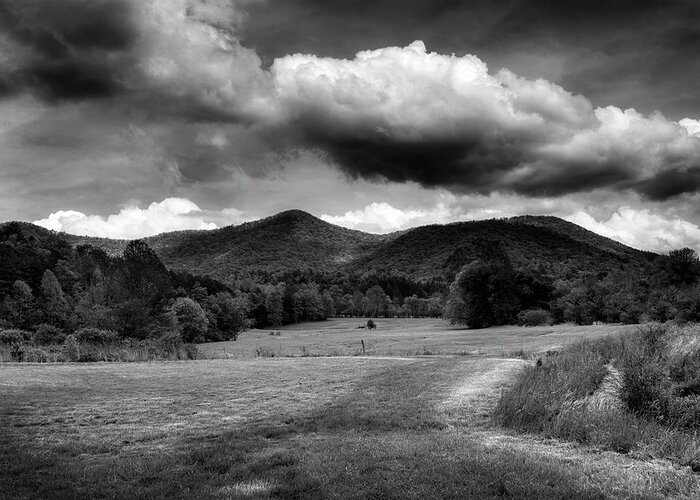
(69, 49)
(188, 72)
(176, 58)
(671, 183)
(461, 165)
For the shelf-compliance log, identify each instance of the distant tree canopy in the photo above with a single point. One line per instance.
(488, 291)
(51, 289)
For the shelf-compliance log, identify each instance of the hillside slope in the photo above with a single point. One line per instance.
(296, 240)
(558, 247)
(287, 241)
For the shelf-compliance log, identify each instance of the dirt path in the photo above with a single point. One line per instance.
(472, 399)
(471, 403)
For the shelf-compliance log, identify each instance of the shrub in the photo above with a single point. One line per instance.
(192, 351)
(71, 349)
(264, 352)
(17, 352)
(534, 317)
(95, 336)
(48, 334)
(170, 341)
(14, 336)
(35, 355)
(646, 388)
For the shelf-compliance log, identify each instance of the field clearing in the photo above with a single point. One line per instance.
(357, 427)
(402, 337)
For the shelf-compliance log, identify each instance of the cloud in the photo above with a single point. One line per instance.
(68, 49)
(643, 229)
(171, 214)
(384, 218)
(692, 126)
(406, 114)
(179, 57)
(177, 104)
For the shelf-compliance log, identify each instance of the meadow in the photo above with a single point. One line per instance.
(302, 427)
(402, 337)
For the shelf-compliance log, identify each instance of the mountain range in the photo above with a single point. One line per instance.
(295, 240)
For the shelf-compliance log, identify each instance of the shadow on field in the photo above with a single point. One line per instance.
(226, 465)
(389, 436)
(397, 398)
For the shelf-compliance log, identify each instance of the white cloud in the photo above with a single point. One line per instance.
(692, 126)
(385, 218)
(171, 214)
(540, 138)
(642, 229)
(190, 50)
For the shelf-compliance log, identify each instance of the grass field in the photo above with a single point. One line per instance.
(402, 337)
(313, 427)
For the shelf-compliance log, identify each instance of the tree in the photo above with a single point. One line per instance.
(228, 314)
(55, 304)
(683, 266)
(377, 301)
(328, 305)
(91, 304)
(19, 307)
(484, 293)
(358, 303)
(273, 305)
(145, 276)
(412, 305)
(190, 319)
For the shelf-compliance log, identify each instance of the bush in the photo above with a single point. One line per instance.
(534, 317)
(95, 336)
(14, 336)
(170, 341)
(71, 349)
(647, 387)
(48, 334)
(35, 355)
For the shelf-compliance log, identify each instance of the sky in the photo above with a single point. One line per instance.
(126, 118)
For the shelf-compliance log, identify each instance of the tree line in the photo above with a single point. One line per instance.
(49, 290)
(489, 291)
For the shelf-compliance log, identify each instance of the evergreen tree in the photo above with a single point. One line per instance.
(55, 305)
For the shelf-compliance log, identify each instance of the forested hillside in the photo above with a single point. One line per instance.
(297, 241)
(294, 267)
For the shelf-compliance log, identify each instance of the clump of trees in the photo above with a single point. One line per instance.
(489, 291)
(52, 293)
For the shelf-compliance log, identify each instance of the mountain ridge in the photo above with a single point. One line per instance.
(296, 240)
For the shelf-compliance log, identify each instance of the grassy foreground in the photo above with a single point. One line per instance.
(292, 428)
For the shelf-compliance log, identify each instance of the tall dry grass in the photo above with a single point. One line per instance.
(638, 392)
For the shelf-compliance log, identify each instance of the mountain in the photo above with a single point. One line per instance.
(284, 242)
(558, 247)
(296, 240)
